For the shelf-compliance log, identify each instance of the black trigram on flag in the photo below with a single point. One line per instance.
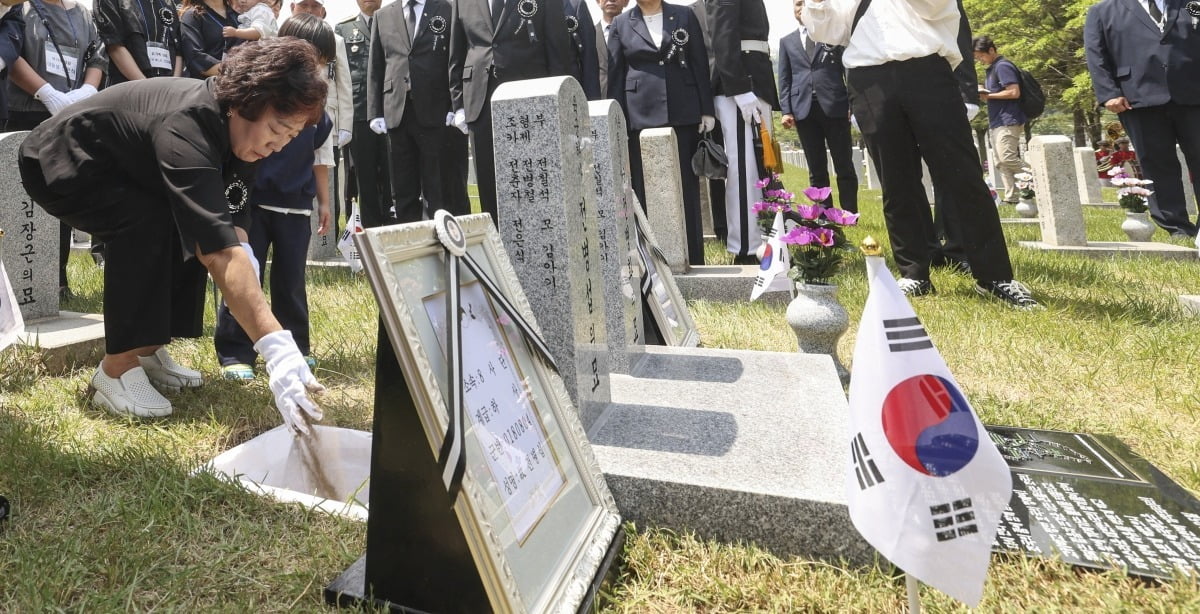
(906, 335)
(864, 468)
(954, 519)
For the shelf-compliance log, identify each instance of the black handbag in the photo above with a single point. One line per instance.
(710, 159)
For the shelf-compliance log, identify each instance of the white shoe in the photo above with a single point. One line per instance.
(166, 373)
(130, 395)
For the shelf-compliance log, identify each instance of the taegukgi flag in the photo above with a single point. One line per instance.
(345, 243)
(926, 486)
(11, 323)
(775, 261)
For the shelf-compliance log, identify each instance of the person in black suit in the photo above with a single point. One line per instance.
(585, 63)
(493, 42)
(658, 73)
(12, 38)
(408, 99)
(813, 98)
(609, 9)
(744, 84)
(1143, 58)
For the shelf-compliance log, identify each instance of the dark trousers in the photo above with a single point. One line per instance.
(819, 133)
(429, 162)
(369, 153)
(1154, 132)
(716, 192)
(686, 139)
(946, 241)
(485, 154)
(151, 294)
(913, 109)
(287, 235)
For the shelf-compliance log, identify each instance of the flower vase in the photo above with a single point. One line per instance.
(1027, 207)
(1137, 225)
(819, 320)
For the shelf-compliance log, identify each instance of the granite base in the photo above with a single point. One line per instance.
(734, 445)
(1108, 249)
(729, 283)
(67, 341)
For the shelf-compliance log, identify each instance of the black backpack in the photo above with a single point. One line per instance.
(1033, 99)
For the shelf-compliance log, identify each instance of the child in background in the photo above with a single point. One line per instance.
(257, 19)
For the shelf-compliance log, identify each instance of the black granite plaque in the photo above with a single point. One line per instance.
(1092, 502)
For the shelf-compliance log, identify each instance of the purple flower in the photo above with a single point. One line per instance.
(762, 183)
(817, 195)
(809, 212)
(762, 206)
(841, 217)
(800, 235)
(825, 237)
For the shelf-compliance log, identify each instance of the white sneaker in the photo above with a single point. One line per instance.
(131, 395)
(166, 373)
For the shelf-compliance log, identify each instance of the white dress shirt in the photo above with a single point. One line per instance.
(654, 23)
(889, 31)
(607, 33)
(1162, 9)
(420, 10)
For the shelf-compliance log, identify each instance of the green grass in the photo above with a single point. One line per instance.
(108, 516)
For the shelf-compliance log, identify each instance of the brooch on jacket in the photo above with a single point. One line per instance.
(437, 27)
(236, 195)
(679, 41)
(167, 15)
(573, 31)
(1193, 9)
(527, 9)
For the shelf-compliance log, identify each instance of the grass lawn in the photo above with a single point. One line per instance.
(109, 518)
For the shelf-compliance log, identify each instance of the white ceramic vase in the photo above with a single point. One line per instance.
(819, 320)
(1027, 208)
(1137, 226)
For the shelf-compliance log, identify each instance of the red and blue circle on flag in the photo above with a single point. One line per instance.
(929, 424)
(768, 256)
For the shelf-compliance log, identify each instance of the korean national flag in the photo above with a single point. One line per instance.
(775, 262)
(11, 323)
(345, 243)
(925, 484)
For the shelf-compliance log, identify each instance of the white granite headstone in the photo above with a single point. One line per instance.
(1189, 191)
(545, 205)
(664, 195)
(30, 244)
(1059, 210)
(1086, 175)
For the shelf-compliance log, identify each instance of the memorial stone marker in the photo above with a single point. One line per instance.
(619, 262)
(1059, 210)
(550, 228)
(1087, 176)
(1091, 502)
(30, 244)
(664, 195)
(1189, 190)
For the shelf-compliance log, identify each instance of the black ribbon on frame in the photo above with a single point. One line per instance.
(452, 457)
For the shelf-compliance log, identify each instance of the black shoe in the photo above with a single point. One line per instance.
(915, 287)
(1011, 291)
(750, 260)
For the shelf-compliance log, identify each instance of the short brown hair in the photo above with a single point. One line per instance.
(277, 73)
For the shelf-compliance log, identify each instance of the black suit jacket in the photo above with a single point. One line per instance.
(801, 76)
(729, 23)
(410, 75)
(12, 38)
(508, 48)
(585, 63)
(653, 91)
(1127, 55)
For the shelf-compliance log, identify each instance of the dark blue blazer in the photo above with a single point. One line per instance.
(12, 39)
(801, 76)
(1127, 55)
(653, 91)
(585, 62)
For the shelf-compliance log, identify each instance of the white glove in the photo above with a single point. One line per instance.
(53, 99)
(748, 104)
(450, 118)
(290, 380)
(707, 123)
(343, 138)
(972, 111)
(253, 260)
(460, 121)
(82, 92)
(378, 125)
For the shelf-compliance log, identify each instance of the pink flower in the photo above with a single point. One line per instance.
(810, 212)
(762, 206)
(825, 237)
(800, 235)
(817, 195)
(841, 216)
(762, 183)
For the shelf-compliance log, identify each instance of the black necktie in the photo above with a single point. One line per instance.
(810, 46)
(1155, 14)
(497, 8)
(412, 18)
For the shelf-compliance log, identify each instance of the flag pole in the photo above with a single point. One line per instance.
(913, 586)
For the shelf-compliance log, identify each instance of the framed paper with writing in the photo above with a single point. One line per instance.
(667, 306)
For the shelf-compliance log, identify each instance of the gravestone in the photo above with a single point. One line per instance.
(1189, 190)
(549, 225)
(1059, 209)
(706, 217)
(664, 195)
(870, 181)
(856, 156)
(1086, 176)
(619, 261)
(926, 181)
(30, 244)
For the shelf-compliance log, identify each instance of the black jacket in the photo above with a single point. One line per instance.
(12, 36)
(730, 22)
(667, 85)
(585, 63)
(410, 75)
(800, 77)
(357, 38)
(1127, 55)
